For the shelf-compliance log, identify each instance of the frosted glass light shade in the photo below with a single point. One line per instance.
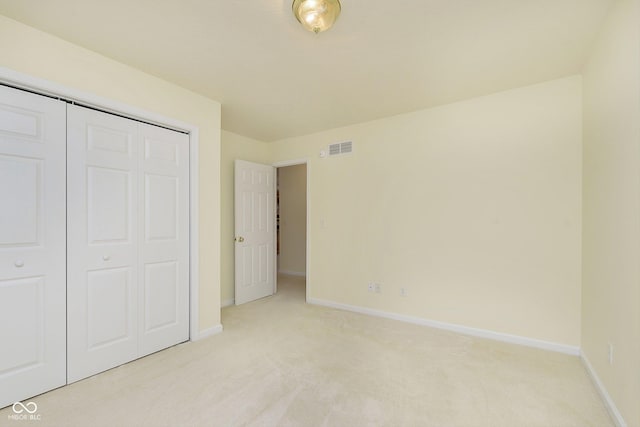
(316, 15)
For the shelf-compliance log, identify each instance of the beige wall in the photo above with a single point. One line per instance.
(292, 186)
(611, 233)
(38, 54)
(474, 207)
(234, 147)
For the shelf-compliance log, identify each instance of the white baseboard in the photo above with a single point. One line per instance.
(611, 406)
(227, 302)
(482, 333)
(292, 273)
(207, 333)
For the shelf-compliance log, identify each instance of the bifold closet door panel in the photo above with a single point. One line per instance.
(128, 240)
(32, 245)
(102, 189)
(164, 247)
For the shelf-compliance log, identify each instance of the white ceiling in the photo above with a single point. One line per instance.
(382, 58)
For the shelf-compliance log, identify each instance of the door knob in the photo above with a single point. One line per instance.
(19, 263)
(240, 239)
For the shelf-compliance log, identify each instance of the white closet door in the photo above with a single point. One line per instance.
(102, 152)
(128, 244)
(164, 248)
(32, 245)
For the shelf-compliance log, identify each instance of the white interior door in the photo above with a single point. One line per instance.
(254, 231)
(128, 244)
(164, 236)
(32, 245)
(102, 248)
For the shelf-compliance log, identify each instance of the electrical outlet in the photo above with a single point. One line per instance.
(377, 287)
(610, 348)
(404, 292)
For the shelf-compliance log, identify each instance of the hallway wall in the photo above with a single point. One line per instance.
(292, 186)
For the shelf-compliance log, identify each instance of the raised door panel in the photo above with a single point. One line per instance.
(109, 296)
(164, 303)
(103, 282)
(21, 123)
(161, 207)
(109, 205)
(161, 295)
(21, 225)
(26, 340)
(32, 245)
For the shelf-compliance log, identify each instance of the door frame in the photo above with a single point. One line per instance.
(282, 164)
(52, 89)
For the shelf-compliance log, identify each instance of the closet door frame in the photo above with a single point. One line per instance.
(55, 90)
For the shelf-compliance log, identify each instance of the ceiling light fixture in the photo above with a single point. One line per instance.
(316, 15)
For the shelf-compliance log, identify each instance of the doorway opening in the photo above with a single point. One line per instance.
(291, 228)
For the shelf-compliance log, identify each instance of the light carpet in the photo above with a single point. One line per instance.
(281, 362)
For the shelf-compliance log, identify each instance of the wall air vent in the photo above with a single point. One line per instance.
(340, 148)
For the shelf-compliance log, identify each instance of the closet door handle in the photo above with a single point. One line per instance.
(19, 263)
(106, 257)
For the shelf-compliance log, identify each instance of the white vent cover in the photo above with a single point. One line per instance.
(340, 148)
